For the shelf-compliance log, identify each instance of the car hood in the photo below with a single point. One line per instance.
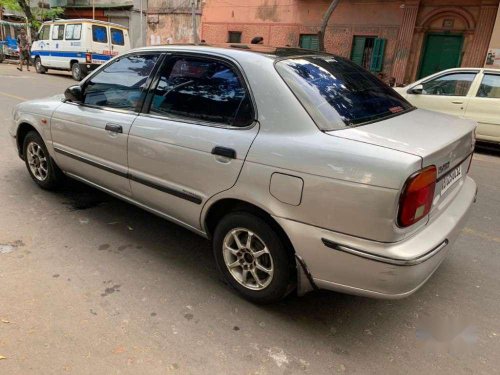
(435, 137)
(44, 104)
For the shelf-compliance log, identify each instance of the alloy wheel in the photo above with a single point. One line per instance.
(248, 259)
(37, 161)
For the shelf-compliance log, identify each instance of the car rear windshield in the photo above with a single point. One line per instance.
(338, 93)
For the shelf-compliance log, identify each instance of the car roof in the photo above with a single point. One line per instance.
(84, 20)
(236, 50)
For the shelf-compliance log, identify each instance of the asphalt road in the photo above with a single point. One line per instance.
(92, 285)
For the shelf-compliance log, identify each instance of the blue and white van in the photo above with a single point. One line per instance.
(77, 45)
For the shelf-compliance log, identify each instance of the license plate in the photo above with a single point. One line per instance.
(451, 178)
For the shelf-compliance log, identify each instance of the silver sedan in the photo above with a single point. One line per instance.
(304, 170)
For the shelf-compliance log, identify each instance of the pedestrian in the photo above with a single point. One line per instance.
(257, 40)
(24, 50)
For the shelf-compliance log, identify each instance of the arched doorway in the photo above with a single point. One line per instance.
(445, 36)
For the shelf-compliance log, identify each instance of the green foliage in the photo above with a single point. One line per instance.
(10, 4)
(41, 15)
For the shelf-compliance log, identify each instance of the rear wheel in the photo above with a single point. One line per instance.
(39, 67)
(252, 258)
(42, 169)
(76, 71)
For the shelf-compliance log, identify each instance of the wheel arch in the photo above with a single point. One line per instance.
(224, 206)
(22, 130)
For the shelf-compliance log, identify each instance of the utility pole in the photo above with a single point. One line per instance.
(93, 9)
(141, 25)
(193, 19)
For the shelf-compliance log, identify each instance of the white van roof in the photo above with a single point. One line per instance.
(85, 20)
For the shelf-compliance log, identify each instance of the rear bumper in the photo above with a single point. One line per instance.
(385, 270)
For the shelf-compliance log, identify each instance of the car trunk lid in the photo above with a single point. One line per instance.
(441, 140)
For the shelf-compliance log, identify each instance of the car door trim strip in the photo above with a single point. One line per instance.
(180, 194)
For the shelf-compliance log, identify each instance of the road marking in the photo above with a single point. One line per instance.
(13, 96)
(482, 235)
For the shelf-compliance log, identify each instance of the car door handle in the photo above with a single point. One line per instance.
(224, 151)
(114, 128)
(457, 102)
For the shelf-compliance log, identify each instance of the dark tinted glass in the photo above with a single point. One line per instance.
(99, 34)
(338, 93)
(121, 84)
(117, 37)
(202, 89)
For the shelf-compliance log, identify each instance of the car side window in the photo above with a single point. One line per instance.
(202, 89)
(99, 34)
(58, 32)
(455, 84)
(122, 84)
(73, 32)
(490, 86)
(45, 33)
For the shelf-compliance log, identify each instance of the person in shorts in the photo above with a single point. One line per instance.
(24, 50)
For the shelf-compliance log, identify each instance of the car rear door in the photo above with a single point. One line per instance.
(100, 43)
(119, 40)
(484, 106)
(193, 138)
(90, 138)
(446, 93)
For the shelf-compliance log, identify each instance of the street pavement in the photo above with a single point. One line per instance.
(93, 285)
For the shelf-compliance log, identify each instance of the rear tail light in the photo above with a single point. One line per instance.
(417, 196)
(88, 58)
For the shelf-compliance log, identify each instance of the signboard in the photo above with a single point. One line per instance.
(493, 57)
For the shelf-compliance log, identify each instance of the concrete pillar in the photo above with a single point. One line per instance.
(482, 35)
(405, 37)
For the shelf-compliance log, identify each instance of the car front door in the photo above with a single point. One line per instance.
(192, 140)
(445, 93)
(90, 138)
(484, 107)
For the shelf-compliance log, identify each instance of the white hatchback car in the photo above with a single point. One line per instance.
(472, 93)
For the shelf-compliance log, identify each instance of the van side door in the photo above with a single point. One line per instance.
(194, 137)
(58, 55)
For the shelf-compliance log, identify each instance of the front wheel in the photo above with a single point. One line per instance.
(39, 67)
(76, 71)
(252, 258)
(42, 169)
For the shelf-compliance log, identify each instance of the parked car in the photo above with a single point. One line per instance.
(471, 93)
(303, 169)
(77, 45)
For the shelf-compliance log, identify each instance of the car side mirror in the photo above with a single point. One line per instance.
(417, 90)
(74, 94)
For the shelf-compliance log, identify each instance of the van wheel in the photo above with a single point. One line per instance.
(252, 258)
(41, 167)
(39, 67)
(76, 71)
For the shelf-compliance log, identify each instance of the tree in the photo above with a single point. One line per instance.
(324, 23)
(35, 16)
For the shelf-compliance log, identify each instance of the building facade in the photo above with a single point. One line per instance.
(493, 57)
(125, 13)
(404, 39)
(171, 21)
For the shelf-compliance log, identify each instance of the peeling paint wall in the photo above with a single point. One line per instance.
(170, 21)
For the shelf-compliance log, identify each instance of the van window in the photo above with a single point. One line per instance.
(99, 34)
(117, 37)
(57, 32)
(73, 32)
(45, 33)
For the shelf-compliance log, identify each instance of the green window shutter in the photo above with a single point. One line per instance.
(378, 55)
(309, 42)
(358, 49)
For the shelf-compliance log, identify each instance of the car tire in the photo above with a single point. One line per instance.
(241, 265)
(41, 167)
(76, 71)
(39, 67)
